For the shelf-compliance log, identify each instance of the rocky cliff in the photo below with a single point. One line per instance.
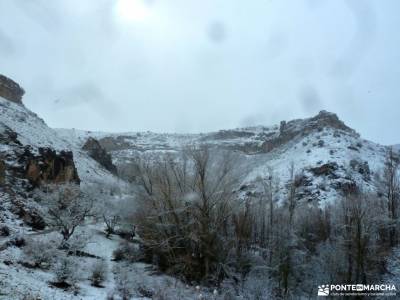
(10, 90)
(37, 166)
(48, 166)
(98, 153)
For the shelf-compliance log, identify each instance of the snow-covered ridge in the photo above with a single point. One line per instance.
(250, 140)
(308, 143)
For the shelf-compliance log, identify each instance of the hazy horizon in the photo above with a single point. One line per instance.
(190, 67)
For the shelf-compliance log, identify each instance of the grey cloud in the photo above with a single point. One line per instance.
(204, 65)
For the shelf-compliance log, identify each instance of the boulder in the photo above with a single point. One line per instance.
(347, 187)
(30, 216)
(325, 169)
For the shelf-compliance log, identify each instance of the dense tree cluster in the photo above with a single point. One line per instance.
(193, 223)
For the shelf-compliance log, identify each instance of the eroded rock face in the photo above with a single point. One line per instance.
(11, 90)
(8, 136)
(99, 154)
(50, 167)
(29, 168)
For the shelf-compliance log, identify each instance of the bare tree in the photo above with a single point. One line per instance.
(265, 212)
(391, 190)
(288, 234)
(185, 206)
(292, 189)
(65, 208)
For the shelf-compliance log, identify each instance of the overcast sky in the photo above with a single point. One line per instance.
(205, 65)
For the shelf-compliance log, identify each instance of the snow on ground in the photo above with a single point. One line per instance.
(18, 282)
(306, 153)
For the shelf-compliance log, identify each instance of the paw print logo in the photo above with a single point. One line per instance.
(323, 290)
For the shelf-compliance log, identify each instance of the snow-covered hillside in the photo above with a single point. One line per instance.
(22, 130)
(330, 159)
(32, 130)
(322, 141)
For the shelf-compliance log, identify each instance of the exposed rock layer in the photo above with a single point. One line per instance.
(50, 167)
(38, 166)
(10, 90)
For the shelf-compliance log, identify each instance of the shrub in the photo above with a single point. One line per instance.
(28, 295)
(17, 241)
(124, 285)
(128, 251)
(66, 271)
(40, 253)
(4, 231)
(99, 273)
(111, 223)
(118, 254)
(256, 288)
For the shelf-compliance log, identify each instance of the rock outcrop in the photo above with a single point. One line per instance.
(29, 215)
(99, 154)
(327, 169)
(290, 130)
(29, 168)
(48, 166)
(8, 136)
(10, 90)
